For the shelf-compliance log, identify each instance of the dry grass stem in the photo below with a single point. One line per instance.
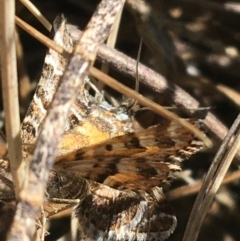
(194, 188)
(10, 91)
(25, 86)
(37, 14)
(213, 181)
(39, 36)
(233, 95)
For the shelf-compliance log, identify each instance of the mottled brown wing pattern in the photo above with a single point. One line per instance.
(53, 68)
(89, 121)
(139, 160)
(115, 170)
(100, 122)
(109, 214)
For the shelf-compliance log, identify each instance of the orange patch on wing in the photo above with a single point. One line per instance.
(88, 134)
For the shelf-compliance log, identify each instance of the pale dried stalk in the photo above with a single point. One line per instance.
(25, 86)
(40, 37)
(37, 14)
(10, 91)
(230, 93)
(184, 191)
(213, 181)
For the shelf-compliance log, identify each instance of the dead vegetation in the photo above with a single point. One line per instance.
(191, 46)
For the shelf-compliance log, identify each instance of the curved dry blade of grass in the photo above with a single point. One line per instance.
(213, 181)
(10, 91)
(37, 14)
(230, 93)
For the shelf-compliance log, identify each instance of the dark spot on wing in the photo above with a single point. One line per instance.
(110, 169)
(109, 147)
(148, 172)
(79, 155)
(112, 166)
(101, 177)
(134, 143)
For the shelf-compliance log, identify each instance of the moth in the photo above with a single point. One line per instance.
(116, 168)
